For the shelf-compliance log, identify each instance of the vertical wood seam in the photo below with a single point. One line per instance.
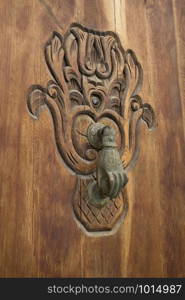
(178, 63)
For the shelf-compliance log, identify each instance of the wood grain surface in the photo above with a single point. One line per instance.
(38, 234)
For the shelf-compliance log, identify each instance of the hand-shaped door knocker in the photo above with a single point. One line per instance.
(110, 174)
(95, 106)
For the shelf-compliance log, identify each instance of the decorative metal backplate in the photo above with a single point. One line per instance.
(93, 80)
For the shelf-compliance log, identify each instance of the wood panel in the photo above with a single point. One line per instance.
(38, 234)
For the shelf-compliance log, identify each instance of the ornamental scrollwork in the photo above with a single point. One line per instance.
(93, 80)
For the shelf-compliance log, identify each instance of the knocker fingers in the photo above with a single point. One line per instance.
(117, 185)
(114, 182)
(117, 181)
(111, 178)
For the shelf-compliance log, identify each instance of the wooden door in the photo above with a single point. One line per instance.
(39, 233)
